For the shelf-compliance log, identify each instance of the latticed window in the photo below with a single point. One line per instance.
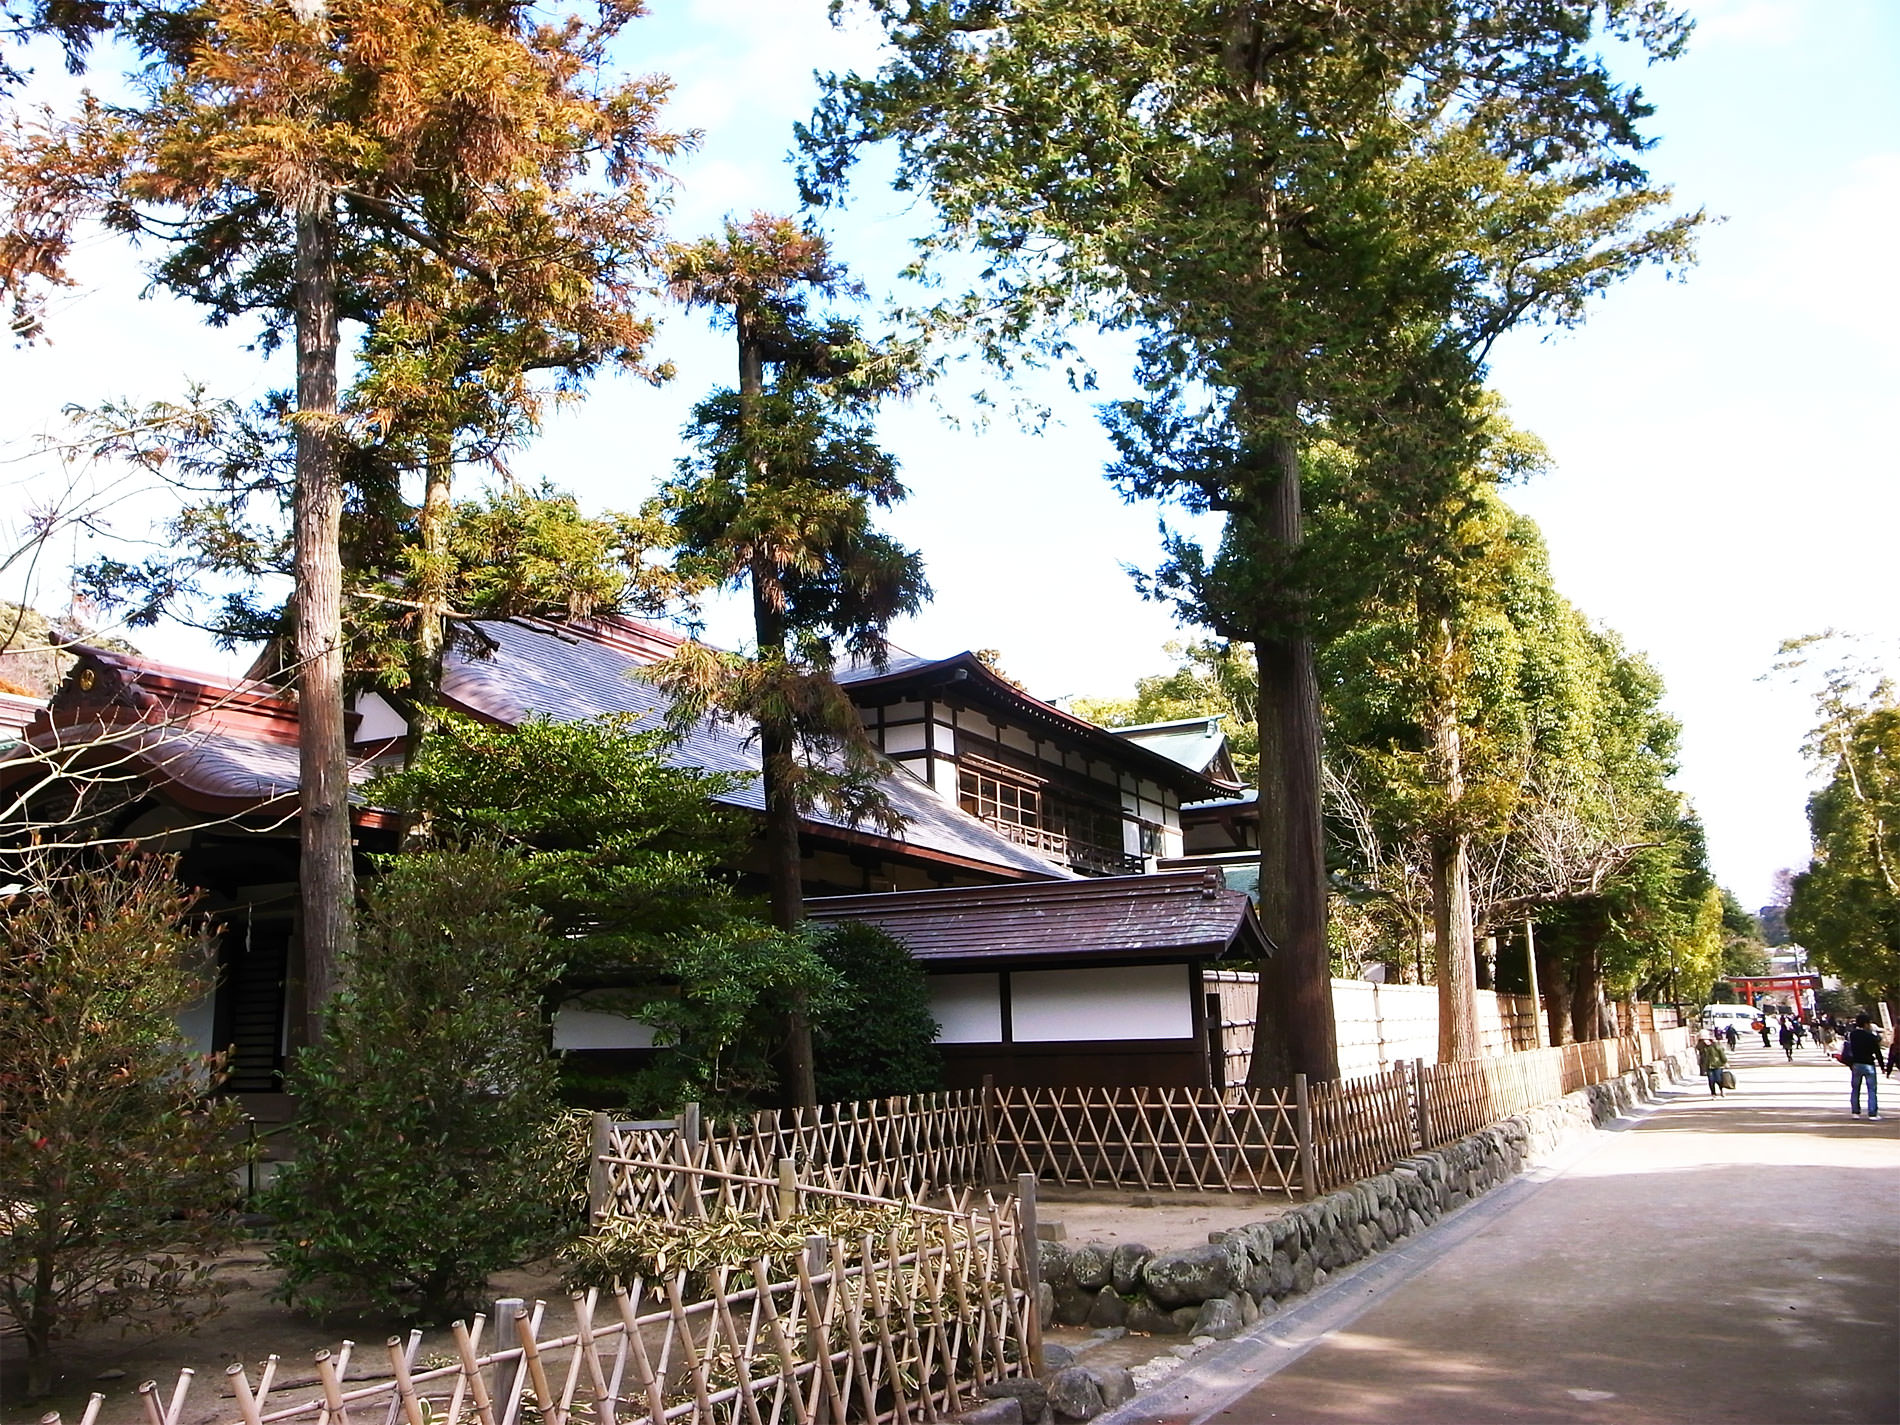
(987, 791)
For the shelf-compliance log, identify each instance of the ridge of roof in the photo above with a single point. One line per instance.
(645, 641)
(1179, 724)
(1206, 884)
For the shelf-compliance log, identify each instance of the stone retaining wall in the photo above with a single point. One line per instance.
(1215, 1291)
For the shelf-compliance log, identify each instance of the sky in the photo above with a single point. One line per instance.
(1723, 476)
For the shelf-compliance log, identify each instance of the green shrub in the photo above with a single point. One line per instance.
(115, 1186)
(425, 1159)
(880, 1038)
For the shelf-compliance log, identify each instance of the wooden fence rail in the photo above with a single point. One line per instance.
(906, 1329)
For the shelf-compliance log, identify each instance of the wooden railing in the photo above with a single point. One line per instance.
(904, 1329)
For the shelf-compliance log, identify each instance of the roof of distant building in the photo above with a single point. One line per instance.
(1195, 742)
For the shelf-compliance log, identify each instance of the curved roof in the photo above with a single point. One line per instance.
(569, 674)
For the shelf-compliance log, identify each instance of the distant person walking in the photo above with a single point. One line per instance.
(1728, 1033)
(1712, 1059)
(1787, 1040)
(1861, 1054)
(1761, 1028)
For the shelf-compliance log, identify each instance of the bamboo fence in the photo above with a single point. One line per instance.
(1362, 1126)
(1204, 1140)
(892, 1332)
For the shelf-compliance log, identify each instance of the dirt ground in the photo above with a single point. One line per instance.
(252, 1326)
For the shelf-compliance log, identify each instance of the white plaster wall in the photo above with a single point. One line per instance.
(904, 739)
(1125, 1002)
(968, 1008)
(578, 1027)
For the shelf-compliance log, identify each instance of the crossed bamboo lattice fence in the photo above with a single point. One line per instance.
(897, 1331)
(1236, 1140)
(906, 1329)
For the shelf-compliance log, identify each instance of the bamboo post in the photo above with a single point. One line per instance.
(472, 1372)
(787, 1189)
(1030, 1248)
(1309, 1185)
(1422, 1104)
(827, 1401)
(992, 1154)
(405, 1385)
(599, 1184)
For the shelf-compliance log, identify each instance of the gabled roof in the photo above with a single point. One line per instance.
(571, 673)
(223, 745)
(1194, 742)
(1181, 915)
(909, 673)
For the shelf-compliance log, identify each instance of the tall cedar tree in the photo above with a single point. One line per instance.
(779, 500)
(1300, 208)
(280, 155)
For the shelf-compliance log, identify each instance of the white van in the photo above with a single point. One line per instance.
(1717, 1017)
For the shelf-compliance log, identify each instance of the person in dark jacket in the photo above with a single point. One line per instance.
(1787, 1040)
(1728, 1033)
(1861, 1053)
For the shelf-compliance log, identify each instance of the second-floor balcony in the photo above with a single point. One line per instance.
(1078, 855)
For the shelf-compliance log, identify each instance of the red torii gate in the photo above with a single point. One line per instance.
(1752, 987)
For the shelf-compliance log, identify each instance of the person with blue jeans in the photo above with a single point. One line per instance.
(1861, 1053)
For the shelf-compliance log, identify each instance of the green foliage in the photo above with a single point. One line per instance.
(650, 1247)
(779, 499)
(717, 1004)
(617, 847)
(1846, 905)
(423, 1158)
(878, 1039)
(115, 1187)
(1212, 679)
(621, 852)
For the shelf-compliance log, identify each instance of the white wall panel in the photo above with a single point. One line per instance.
(578, 1027)
(1125, 1002)
(968, 1008)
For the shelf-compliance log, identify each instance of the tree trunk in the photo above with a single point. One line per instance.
(328, 892)
(1586, 992)
(1556, 985)
(1450, 849)
(1457, 959)
(777, 749)
(1294, 1030)
(431, 592)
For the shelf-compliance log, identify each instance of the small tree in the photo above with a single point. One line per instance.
(115, 1188)
(880, 1039)
(423, 1161)
(779, 499)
